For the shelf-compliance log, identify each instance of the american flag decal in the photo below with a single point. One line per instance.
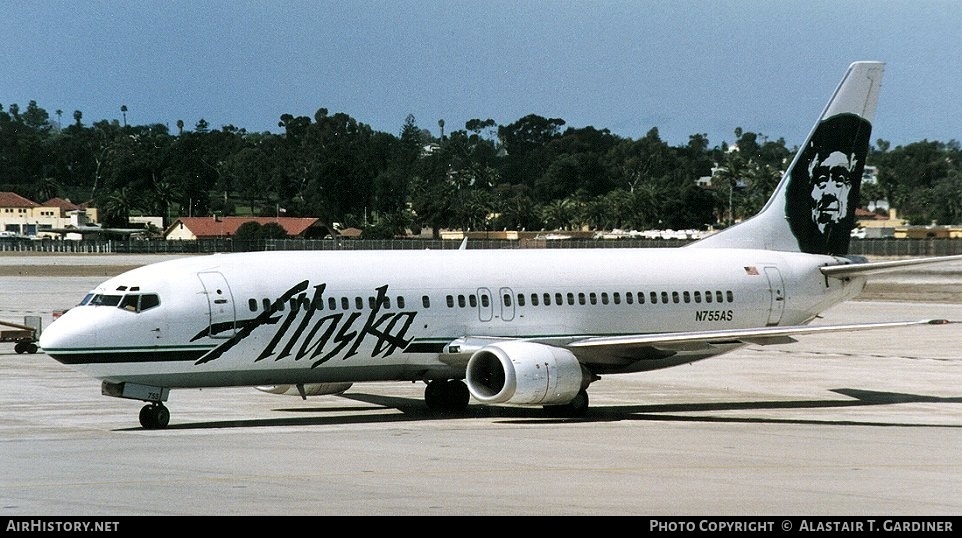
(751, 270)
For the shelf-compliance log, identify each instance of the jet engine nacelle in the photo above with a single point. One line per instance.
(523, 373)
(310, 389)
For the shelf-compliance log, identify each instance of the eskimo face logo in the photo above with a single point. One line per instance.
(823, 188)
(831, 178)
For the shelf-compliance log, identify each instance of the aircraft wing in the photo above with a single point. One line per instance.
(873, 268)
(625, 349)
(690, 341)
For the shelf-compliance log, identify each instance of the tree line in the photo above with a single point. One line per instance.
(536, 173)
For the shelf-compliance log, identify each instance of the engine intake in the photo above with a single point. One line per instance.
(524, 373)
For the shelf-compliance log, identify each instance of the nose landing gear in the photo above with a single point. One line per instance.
(154, 416)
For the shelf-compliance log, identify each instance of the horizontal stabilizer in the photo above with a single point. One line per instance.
(873, 268)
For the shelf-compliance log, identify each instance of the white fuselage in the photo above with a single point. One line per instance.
(311, 317)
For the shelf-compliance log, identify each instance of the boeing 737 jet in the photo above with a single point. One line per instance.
(518, 327)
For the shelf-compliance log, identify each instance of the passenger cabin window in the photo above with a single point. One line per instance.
(400, 302)
(426, 301)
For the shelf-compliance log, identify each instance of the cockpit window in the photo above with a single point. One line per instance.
(129, 302)
(101, 299)
(138, 303)
(148, 301)
(86, 299)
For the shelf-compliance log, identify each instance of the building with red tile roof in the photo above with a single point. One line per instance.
(24, 217)
(191, 228)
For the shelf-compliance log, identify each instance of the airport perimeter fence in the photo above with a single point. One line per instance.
(878, 248)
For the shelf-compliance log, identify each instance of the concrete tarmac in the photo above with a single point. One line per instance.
(847, 424)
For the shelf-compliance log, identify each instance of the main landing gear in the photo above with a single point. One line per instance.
(447, 395)
(575, 408)
(154, 416)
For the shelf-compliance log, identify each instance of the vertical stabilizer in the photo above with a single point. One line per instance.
(813, 207)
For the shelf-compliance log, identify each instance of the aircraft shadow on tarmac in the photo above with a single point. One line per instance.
(413, 409)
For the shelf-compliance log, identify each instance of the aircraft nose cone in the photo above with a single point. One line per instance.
(65, 335)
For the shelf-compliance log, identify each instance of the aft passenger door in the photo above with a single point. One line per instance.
(221, 304)
(777, 289)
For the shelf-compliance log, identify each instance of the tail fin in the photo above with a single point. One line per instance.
(813, 207)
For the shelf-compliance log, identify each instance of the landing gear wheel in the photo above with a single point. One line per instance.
(434, 395)
(154, 416)
(447, 395)
(579, 405)
(575, 408)
(456, 395)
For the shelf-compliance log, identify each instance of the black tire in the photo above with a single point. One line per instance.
(575, 408)
(456, 396)
(20, 347)
(434, 395)
(161, 417)
(147, 417)
(579, 405)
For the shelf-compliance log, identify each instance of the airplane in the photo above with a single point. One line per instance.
(95, 230)
(528, 327)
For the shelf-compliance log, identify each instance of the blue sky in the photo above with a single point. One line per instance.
(683, 66)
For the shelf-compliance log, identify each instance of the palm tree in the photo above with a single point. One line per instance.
(558, 214)
(734, 170)
(47, 188)
(117, 206)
